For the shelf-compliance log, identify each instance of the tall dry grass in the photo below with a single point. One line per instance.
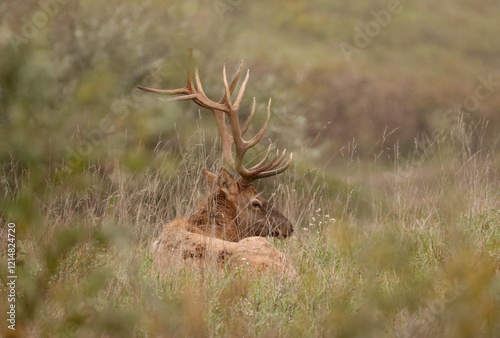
(411, 249)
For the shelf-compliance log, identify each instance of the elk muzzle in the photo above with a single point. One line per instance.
(279, 225)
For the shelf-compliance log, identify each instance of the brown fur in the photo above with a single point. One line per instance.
(215, 217)
(177, 244)
(227, 212)
(234, 211)
(225, 227)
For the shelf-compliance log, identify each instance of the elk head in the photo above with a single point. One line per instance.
(234, 209)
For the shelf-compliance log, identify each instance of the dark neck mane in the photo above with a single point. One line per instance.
(215, 217)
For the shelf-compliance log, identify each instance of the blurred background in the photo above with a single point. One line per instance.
(359, 74)
(390, 107)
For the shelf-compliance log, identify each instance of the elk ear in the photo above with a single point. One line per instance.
(226, 183)
(210, 179)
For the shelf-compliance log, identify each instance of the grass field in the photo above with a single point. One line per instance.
(411, 250)
(394, 190)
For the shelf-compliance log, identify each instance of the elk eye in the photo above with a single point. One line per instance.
(256, 204)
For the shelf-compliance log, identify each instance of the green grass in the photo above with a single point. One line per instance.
(423, 263)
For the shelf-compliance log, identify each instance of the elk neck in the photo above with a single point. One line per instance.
(216, 217)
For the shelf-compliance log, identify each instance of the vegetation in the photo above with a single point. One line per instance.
(394, 188)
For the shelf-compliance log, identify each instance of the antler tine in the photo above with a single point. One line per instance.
(187, 89)
(227, 90)
(259, 135)
(232, 133)
(183, 90)
(201, 97)
(249, 119)
(275, 162)
(235, 78)
(239, 98)
(189, 82)
(264, 159)
(198, 81)
(275, 172)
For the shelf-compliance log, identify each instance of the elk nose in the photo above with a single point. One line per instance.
(278, 234)
(285, 231)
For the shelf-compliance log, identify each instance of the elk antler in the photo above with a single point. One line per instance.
(225, 107)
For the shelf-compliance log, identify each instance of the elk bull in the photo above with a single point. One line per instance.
(232, 221)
